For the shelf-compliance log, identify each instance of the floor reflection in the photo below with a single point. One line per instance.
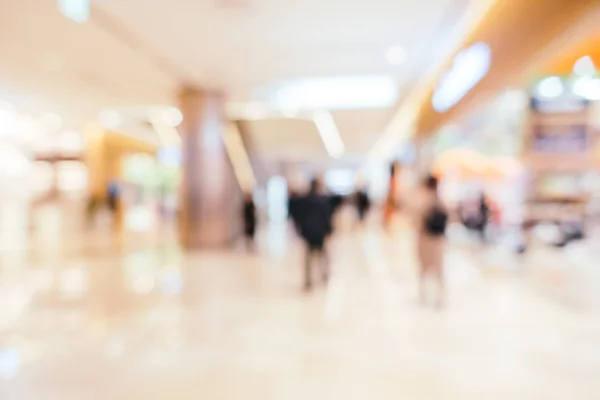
(145, 320)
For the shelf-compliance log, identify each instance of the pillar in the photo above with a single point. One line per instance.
(211, 199)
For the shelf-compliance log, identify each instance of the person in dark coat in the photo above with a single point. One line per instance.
(249, 214)
(313, 219)
(337, 201)
(483, 218)
(293, 198)
(363, 204)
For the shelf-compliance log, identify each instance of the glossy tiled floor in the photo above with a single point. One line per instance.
(147, 322)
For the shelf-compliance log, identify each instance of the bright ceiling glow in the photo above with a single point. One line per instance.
(550, 87)
(8, 120)
(348, 92)
(587, 87)
(13, 162)
(109, 119)
(584, 66)
(172, 116)
(51, 122)
(76, 10)
(340, 181)
(396, 55)
(467, 69)
(329, 133)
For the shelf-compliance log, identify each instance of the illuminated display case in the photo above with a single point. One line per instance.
(558, 151)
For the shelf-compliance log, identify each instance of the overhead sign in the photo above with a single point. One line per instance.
(76, 10)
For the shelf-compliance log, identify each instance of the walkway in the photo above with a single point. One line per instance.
(156, 324)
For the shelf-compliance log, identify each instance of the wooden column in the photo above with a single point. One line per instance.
(211, 199)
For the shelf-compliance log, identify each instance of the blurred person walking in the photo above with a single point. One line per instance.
(113, 201)
(250, 221)
(313, 218)
(391, 203)
(483, 218)
(432, 219)
(293, 200)
(363, 204)
(113, 195)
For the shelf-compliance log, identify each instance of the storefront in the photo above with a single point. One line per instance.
(480, 155)
(150, 190)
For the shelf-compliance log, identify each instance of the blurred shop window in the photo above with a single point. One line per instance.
(72, 176)
(13, 163)
(170, 156)
(140, 169)
(8, 121)
(10, 362)
(42, 147)
(42, 177)
(595, 114)
(66, 143)
(407, 153)
(277, 199)
(377, 179)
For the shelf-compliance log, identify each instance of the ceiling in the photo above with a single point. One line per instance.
(563, 64)
(141, 52)
(521, 36)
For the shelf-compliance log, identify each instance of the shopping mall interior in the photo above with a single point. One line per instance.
(254, 199)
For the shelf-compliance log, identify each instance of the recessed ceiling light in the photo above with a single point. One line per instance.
(8, 121)
(467, 69)
(337, 92)
(584, 66)
(76, 10)
(396, 55)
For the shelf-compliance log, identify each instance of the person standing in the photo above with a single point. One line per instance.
(363, 204)
(313, 219)
(391, 203)
(113, 200)
(432, 218)
(484, 212)
(249, 214)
